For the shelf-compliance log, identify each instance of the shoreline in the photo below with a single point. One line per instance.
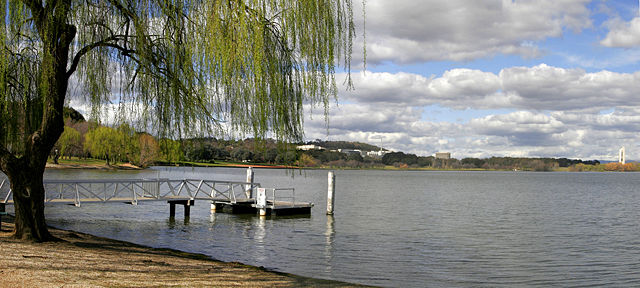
(125, 166)
(92, 164)
(81, 260)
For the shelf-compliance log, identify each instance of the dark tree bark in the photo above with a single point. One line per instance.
(26, 171)
(28, 199)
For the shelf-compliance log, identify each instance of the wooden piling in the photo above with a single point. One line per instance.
(249, 187)
(261, 202)
(213, 207)
(187, 207)
(172, 210)
(187, 210)
(331, 187)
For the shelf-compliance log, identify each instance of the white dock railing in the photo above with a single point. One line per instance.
(134, 190)
(283, 196)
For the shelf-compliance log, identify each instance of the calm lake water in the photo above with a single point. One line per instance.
(403, 228)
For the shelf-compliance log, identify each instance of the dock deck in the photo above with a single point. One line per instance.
(224, 196)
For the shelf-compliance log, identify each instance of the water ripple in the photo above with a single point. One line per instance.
(407, 228)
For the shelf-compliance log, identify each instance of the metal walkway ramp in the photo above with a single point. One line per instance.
(225, 196)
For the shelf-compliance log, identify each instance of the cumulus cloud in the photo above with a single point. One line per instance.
(614, 121)
(406, 31)
(523, 127)
(538, 111)
(533, 111)
(515, 134)
(623, 34)
(540, 87)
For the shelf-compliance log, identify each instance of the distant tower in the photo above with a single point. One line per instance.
(380, 137)
(621, 156)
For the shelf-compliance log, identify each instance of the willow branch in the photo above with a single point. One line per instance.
(126, 12)
(107, 42)
(35, 6)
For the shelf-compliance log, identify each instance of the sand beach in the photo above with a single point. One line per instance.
(82, 260)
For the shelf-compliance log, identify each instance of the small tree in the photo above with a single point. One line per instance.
(307, 160)
(70, 142)
(104, 143)
(149, 150)
(129, 146)
(170, 150)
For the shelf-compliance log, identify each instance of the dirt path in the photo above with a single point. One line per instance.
(81, 260)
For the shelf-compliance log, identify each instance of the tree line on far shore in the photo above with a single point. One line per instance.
(400, 160)
(403, 160)
(85, 139)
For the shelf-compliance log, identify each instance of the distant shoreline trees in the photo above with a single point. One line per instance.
(124, 144)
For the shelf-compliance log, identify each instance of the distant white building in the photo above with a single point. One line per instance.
(309, 147)
(621, 156)
(443, 155)
(376, 154)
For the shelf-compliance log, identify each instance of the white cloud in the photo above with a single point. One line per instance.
(516, 134)
(539, 111)
(539, 88)
(405, 31)
(522, 127)
(615, 121)
(623, 34)
(533, 111)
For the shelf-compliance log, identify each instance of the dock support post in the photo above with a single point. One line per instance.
(261, 201)
(172, 210)
(187, 210)
(249, 187)
(330, 192)
(213, 207)
(187, 207)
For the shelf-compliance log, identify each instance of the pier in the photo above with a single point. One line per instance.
(224, 196)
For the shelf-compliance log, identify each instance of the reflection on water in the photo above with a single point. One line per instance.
(259, 235)
(171, 222)
(328, 249)
(212, 217)
(403, 228)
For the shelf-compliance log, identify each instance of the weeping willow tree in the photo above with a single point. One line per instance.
(178, 66)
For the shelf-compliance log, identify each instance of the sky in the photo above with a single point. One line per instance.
(517, 78)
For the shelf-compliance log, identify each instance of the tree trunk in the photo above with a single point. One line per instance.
(26, 171)
(28, 200)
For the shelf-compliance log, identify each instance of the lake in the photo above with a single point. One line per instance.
(401, 228)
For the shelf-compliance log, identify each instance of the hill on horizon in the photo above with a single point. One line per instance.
(334, 145)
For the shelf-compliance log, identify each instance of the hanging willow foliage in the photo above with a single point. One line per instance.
(177, 67)
(251, 64)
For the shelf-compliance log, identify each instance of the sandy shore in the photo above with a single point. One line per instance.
(82, 260)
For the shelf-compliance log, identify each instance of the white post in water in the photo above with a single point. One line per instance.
(261, 201)
(330, 192)
(213, 203)
(248, 189)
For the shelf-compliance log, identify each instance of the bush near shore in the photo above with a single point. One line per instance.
(610, 167)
